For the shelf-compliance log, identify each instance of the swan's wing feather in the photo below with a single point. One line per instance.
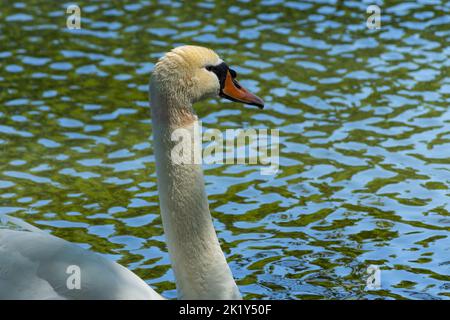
(36, 265)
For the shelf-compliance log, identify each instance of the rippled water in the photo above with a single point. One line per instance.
(364, 130)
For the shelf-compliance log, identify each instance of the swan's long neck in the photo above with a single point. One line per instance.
(199, 264)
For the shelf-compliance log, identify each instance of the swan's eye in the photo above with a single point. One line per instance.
(233, 73)
(209, 68)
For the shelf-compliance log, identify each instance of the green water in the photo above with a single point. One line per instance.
(364, 139)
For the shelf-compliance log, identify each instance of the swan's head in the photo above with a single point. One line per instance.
(197, 73)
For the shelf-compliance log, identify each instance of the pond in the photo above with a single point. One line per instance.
(362, 115)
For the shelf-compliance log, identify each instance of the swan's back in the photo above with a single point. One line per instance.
(34, 265)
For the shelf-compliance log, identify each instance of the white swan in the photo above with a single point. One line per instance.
(35, 265)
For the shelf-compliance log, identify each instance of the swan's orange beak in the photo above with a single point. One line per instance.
(233, 91)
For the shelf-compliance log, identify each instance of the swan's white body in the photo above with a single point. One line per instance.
(34, 264)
